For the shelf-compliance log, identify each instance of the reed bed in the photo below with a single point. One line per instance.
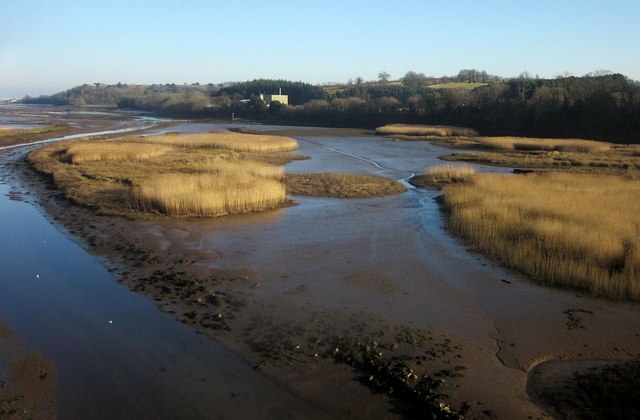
(239, 168)
(528, 144)
(176, 194)
(135, 177)
(449, 172)
(562, 229)
(425, 130)
(113, 150)
(10, 136)
(237, 142)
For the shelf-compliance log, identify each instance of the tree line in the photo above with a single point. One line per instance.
(600, 106)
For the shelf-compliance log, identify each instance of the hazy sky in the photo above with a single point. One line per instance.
(51, 45)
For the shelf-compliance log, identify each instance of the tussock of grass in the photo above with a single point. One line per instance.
(135, 177)
(548, 145)
(341, 185)
(425, 130)
(237, 142)
(566, 230)
(87, 152)
(448, 173)
(176, 194)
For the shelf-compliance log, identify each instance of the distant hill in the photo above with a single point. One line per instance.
(599, 106)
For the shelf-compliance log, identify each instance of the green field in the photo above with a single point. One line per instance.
(459, 85)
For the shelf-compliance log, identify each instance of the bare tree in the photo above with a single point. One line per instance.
(384, 77)
(413, 79)
(524, 85)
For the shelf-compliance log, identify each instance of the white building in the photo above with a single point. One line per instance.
(283, 99)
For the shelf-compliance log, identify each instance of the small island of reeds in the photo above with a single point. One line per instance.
(421, 130)
(191, 175)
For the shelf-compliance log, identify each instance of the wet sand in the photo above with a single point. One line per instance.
(287, 288)
(27, 380)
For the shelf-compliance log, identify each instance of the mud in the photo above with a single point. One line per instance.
(27, 380)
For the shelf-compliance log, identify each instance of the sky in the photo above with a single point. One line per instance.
(47, 46)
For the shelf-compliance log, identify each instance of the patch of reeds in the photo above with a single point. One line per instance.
(341, 185)
(239, 168)
(10, 136)
(425, 130)
(438, 175)
(135, 177)
(237, 142)
(619, 161)
(528, 144)
(10, 132)
(177, 194)
(447, 173)
(562, 229)
(112, 150)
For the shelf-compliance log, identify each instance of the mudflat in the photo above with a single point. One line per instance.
(350, 304)
(27, 380)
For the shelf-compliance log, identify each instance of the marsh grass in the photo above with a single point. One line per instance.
(341, 185)
(425, 130)
(208, 194)
(135, 177)
(9, 136)
(101, 151)
(236, 168)
(446, 173)
(620, 160)
(227, 140)
(528, 144)
(566, 230)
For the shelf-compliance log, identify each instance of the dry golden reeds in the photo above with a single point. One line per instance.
(239, 167)
(176, 177)
(547, 145)
(100, 151)
(228, 140)
(567, 230)
(425, 130)
(449, 172)
(178, 194)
